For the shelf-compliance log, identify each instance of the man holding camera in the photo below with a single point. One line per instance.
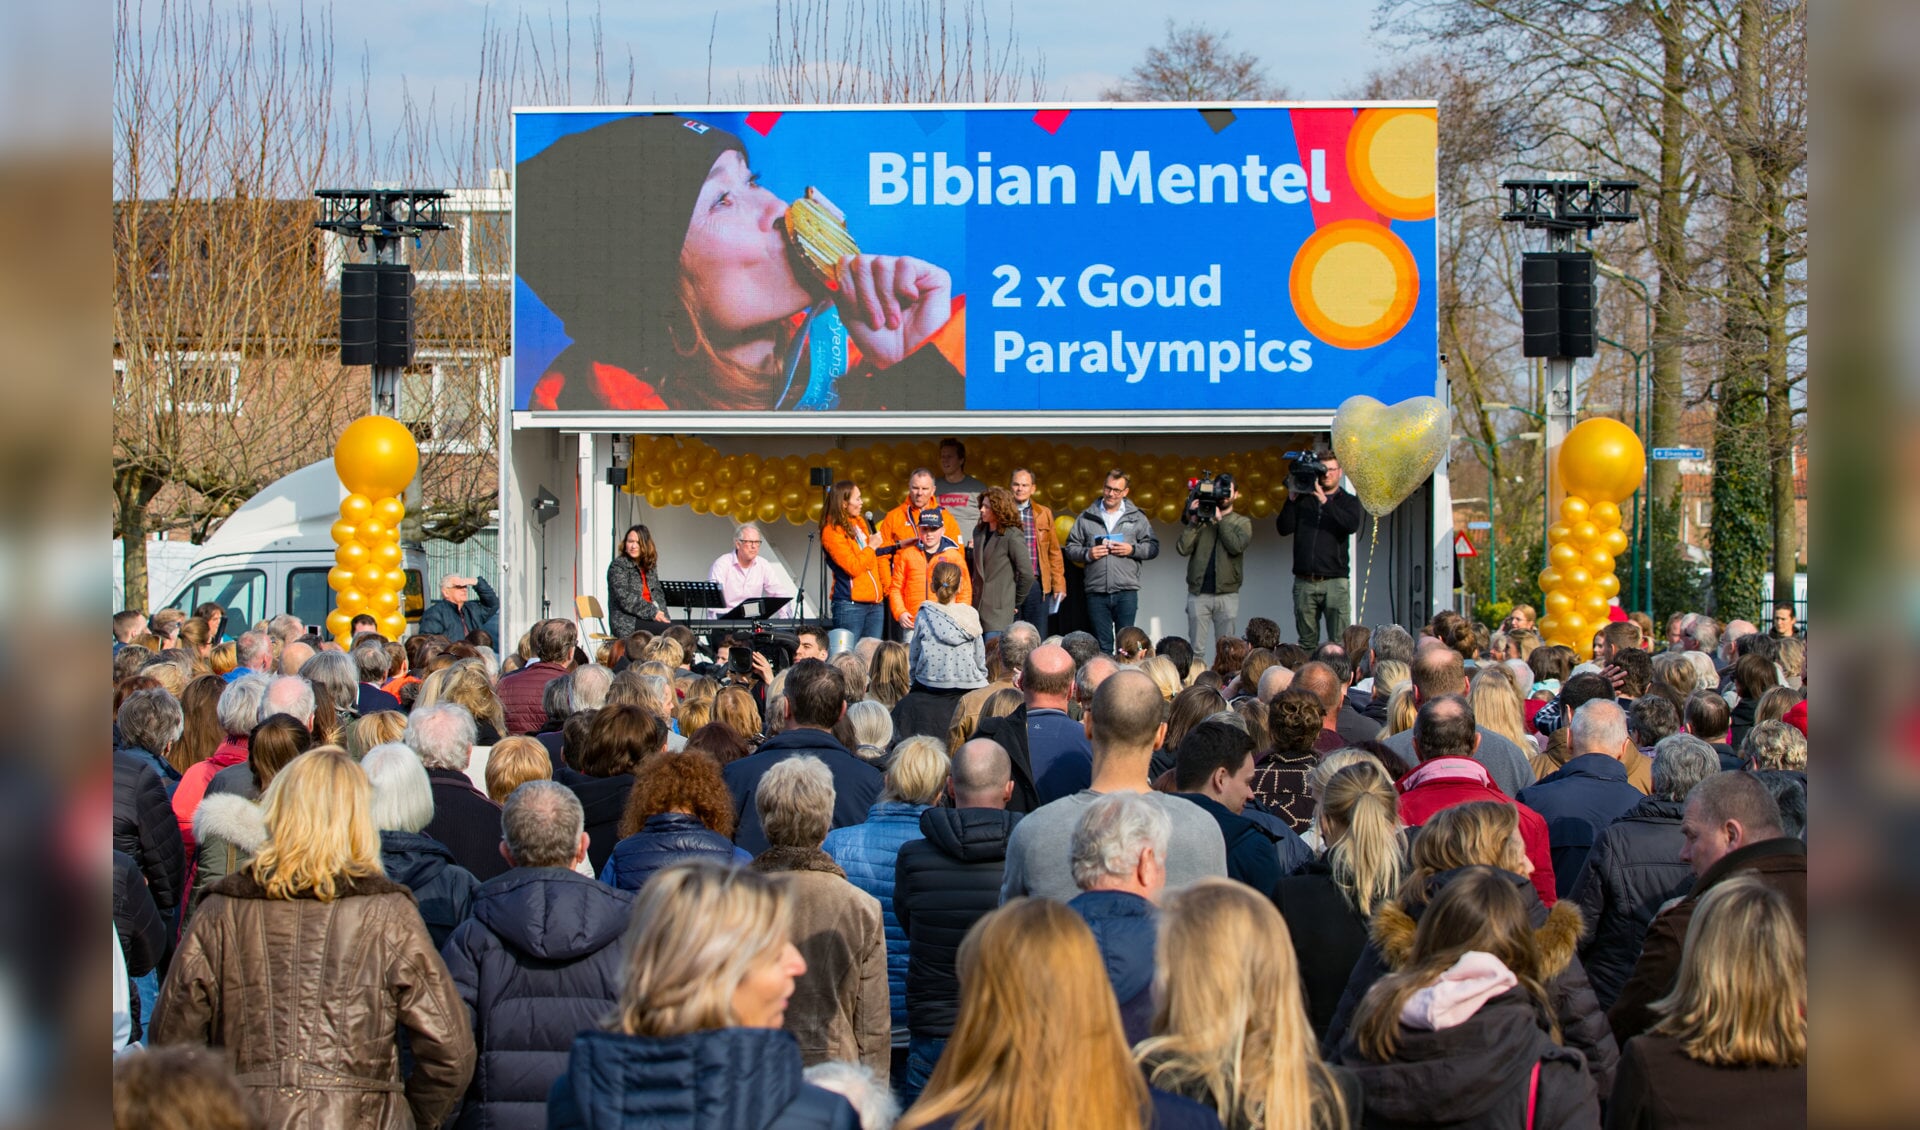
(1214, 541)
(1320, 517)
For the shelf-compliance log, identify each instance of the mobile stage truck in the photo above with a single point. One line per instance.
(712, 306)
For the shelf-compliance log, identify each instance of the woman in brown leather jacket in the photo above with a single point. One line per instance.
(304, 965)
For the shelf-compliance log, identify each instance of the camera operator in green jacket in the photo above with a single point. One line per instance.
(1213, 542)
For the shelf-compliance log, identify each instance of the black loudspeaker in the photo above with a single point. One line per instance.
(1540, 304)
(359, 289)
(394, 330)
(1576, 304)
(1556, 304)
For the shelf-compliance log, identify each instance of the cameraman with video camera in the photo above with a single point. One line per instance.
(1214, 541)
(1321, 518)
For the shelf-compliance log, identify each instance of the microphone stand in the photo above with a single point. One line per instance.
(800, 589)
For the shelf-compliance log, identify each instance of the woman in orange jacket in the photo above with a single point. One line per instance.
(913, 568)
(857, 563)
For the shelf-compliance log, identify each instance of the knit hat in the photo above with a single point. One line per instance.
(601, 217)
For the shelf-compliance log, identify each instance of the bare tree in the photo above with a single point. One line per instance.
(1195, 64)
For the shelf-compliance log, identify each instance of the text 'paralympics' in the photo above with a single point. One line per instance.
(1135, 359)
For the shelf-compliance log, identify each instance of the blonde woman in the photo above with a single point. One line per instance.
(1730, 1048)
(735, 707)
(466, 684)
(867, 851)
(1229, 1028)
(1496, 707)
(1328, 904)
(376, 729)
(1037, 1044)
(1458, 841)
(1164, 675)
(513, 762)
(1401, 711)
(264, 948)
(888, 675)
(1464, 1034)
(710, 966)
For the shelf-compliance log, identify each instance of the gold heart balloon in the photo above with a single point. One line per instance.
(1389, 451)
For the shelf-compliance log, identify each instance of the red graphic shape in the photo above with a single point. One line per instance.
(761, 121)
(1050, 120)
(1327, 130)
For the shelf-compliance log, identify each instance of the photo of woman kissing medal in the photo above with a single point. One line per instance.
(686, 285)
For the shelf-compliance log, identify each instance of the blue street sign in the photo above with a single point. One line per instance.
(1479, 525)
(1670, 453)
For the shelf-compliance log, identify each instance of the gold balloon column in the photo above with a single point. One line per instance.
(375, 458)
(1601, 464)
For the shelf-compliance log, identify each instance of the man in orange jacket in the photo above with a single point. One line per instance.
(902, 523)
(913, 568)
(1049, 566)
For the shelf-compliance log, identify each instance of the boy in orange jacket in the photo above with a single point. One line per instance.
(913, 567)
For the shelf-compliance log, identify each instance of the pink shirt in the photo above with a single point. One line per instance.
(737, 584)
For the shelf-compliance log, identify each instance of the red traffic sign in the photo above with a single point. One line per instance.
(1462, 547)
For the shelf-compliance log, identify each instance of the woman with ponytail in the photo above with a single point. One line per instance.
(1465, 1034)
(1229, 1028)
(1463, 840)
(1328, 903)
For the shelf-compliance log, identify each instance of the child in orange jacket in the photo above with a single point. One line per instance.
(913, 567)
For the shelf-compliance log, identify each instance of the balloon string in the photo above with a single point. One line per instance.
(1373, 546)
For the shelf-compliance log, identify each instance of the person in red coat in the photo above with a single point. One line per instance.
(1444, 738)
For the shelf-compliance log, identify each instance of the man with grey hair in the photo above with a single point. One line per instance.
(283, 630)
(1587, 793)
(1635, 868)
(464, 819)
(253, 655)
(1119, 860)
(1272, 681)
(587, 687)
(288, 694)
(293, 655)
(539, 958)
(1127, 720)
(370, 663)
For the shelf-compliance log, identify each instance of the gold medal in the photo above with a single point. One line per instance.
(817, 236)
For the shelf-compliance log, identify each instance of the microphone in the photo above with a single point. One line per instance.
(868, 515)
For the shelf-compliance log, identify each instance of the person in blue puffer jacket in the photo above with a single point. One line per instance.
(696, 1039)
(867, 853)
(679, 810)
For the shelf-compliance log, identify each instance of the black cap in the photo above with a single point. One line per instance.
(931, 519)
(601, 217)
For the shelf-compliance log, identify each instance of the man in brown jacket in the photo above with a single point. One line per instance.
(1731, 827)
(1049, 565)
(840, 1008)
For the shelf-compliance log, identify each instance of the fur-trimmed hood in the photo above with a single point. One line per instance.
(232, 818)
(1557, 931)
(776, 859)
(242, 885)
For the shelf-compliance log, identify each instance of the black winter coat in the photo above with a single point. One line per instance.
(1328, 933)
(1579, 801)
(1252, 856)
(1125, 927)
(145, 828)
(467, 822)
(1011, 732)
(537, 962)
(1478, 1074)
(423, 865)
(721, 1079)
(856, 785)
(666, 838)
(1583, 1023)
(942, 885)
(603, 801)
(925, 710)
(143, 933)
(1633, 871)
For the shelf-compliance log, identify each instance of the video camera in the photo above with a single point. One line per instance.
(1306, 472)
(778, 647)
(1211, 492)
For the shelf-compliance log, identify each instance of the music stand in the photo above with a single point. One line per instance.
(689, 595)
(756, 608)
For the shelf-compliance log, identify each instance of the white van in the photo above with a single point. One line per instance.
(273, 553)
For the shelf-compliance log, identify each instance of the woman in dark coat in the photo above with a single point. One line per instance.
(679, 810)
(402, 806)
(1731, 1048)
(618, 740)
(708, 970)
(1459, 841)
(630, 596)
(1002, 567)
(1329, 903)
(1464, 1036)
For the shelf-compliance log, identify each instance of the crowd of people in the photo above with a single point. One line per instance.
(1441, 877)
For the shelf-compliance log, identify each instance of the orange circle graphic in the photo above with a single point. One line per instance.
(1390, 158)
(1354, 284)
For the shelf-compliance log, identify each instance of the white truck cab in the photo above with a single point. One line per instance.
(273, 553)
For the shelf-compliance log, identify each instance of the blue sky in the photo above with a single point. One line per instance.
(1318, 49)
